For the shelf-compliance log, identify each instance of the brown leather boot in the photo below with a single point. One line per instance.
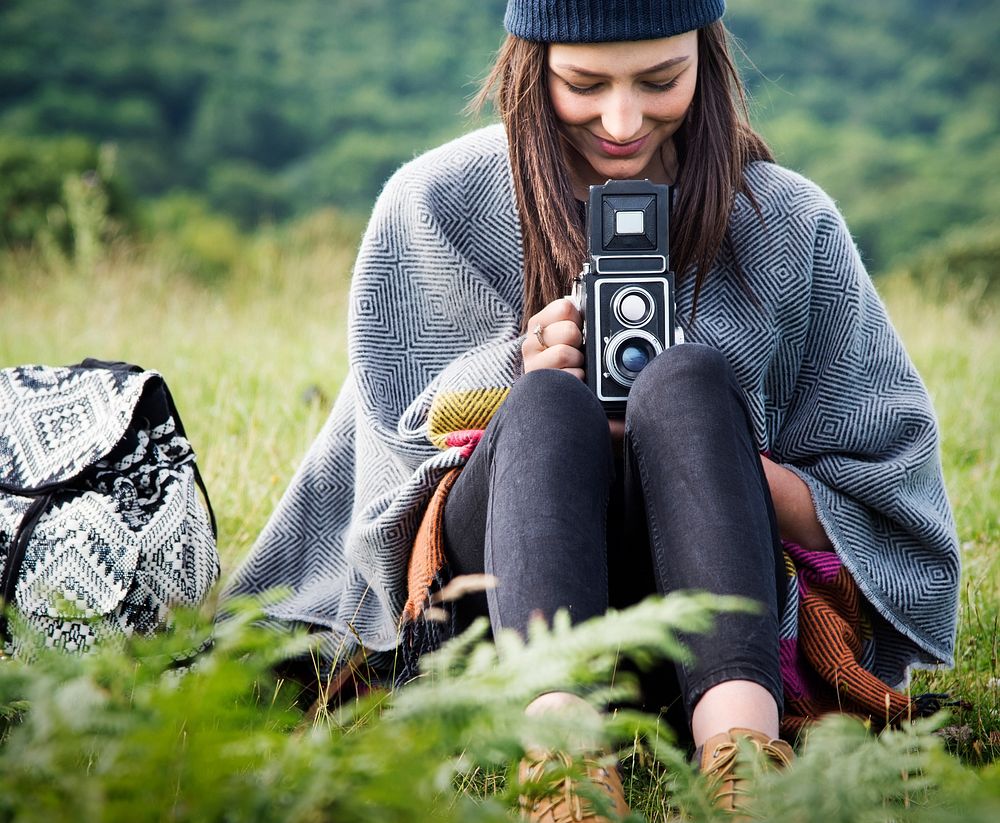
(562, 803)
(718, 761)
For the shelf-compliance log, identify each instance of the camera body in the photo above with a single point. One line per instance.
(626, 290)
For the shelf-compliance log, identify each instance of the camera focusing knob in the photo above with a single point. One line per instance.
(577, 292)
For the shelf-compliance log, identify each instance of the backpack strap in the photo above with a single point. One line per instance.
(172, 408)
(120, 365)
(15, 557)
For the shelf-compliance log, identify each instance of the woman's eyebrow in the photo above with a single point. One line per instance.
(666, 64)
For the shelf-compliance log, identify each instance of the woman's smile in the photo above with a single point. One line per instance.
(621, 149)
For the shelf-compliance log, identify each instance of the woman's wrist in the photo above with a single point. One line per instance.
(794, 508)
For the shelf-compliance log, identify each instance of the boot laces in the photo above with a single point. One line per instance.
(562, 803)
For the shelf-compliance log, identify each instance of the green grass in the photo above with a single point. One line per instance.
(956, 347)
(255, 358)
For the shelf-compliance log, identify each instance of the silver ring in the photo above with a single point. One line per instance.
(538, 335)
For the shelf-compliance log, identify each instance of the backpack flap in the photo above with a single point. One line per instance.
(55, 422)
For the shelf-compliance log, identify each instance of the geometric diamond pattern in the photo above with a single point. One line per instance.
(123, 535)
(54, 422)
(435, 307)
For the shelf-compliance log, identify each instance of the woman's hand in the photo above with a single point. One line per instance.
(554, 339)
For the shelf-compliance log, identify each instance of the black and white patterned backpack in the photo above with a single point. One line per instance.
(102, 530)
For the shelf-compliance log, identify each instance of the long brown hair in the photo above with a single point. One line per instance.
(714, 144)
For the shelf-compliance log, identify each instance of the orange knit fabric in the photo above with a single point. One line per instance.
(830, 628)
(427, 557)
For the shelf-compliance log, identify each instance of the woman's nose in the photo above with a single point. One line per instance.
(622, 119)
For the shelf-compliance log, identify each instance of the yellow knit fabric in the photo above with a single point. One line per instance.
(461, 411)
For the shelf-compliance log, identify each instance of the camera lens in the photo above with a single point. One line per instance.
(628, 353)
(635, 358)
(632, 306)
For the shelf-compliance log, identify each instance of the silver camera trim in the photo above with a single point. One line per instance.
(615, 283)
(616, 342)
(618, 299)
(634, 263)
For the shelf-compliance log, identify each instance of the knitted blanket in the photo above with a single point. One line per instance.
(434, 347)
(826, 638)
(827, 652)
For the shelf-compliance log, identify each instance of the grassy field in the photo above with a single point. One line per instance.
(255, 359)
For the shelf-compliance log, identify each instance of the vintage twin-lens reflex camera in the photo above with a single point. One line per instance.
(625, 291)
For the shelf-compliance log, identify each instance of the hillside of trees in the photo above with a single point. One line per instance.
(264, 110)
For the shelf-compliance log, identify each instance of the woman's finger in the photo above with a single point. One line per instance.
(560, 356)
(557, 310)
(562, 332)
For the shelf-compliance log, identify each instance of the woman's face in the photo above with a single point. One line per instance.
(619, 103)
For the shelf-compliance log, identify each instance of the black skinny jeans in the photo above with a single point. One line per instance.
(544, 506)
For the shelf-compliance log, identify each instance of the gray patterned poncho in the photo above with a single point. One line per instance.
(434, 323)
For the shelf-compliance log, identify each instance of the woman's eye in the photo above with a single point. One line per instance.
(582, 89)
(662, 86)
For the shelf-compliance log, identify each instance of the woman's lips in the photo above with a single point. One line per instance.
(621, 149)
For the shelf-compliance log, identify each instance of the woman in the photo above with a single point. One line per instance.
(790, 430)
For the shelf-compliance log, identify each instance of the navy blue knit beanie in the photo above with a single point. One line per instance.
(598, 21)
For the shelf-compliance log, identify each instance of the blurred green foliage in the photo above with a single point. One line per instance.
(264, 107)
(122, 736)
(964, 265)
(58, 189)
(268, 109)
(194, 239)
(893, 107)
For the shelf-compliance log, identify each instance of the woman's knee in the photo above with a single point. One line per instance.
(554, 400)
(691, 373)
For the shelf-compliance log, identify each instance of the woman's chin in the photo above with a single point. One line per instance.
(622, 168)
